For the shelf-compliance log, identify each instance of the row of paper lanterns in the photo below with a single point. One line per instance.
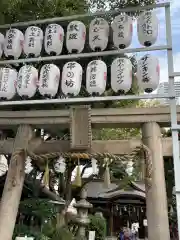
(30, 43)
(27, 81)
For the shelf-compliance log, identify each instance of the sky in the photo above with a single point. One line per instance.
(162, 55)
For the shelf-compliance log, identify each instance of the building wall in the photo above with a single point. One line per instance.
(163, 89)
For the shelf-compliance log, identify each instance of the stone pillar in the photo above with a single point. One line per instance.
(156, 199)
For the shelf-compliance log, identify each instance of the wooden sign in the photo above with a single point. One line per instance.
(80, 127)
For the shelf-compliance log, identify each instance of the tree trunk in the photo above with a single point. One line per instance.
(14, 183)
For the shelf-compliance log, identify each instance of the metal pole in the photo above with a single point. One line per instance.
(86, 55)
(83, 100)
(173, 113)
(175, 74)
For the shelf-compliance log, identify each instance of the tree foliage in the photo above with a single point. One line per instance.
(19, 10)
(117, 4)
(98, 224)
(40, 221)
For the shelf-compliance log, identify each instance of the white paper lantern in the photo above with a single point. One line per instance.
(49, 80)
(122, 31)
(53, 41)
(13, 44)
(147, 27)
(71, 79)
(148, 73)
(121, 75)
(96, 77)
(98, 34)
(8, 81)
(1, 44)
(33, 41)
(27, 81)
(76, 37)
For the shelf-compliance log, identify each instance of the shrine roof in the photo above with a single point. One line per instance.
(96, 189)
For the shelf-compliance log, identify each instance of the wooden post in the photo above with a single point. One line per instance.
(14, 183)
(156, 199)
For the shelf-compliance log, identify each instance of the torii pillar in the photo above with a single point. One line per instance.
(156, 199)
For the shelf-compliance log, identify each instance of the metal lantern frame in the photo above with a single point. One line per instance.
(171, 75)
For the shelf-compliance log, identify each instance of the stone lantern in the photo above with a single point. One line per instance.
(82, 217)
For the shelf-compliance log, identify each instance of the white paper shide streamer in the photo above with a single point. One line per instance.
(95, 168)
(75, 37)
(60, 165)
(96, 77)
(121, 75)
(33, 41)
(13, 45)
(148, 73)
(27, 81)
(147, 28)
(49, 80)
(122, 31)
(53, 40)
(98, 34)
(28, 165)
(8, 81)
(71, 79)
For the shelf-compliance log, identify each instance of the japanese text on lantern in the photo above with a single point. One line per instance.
(11, 35)
(27, 75)
(147, 25)
(70, 74)
(93, 73)
(45, 75)
(73, 29)
(52, 29)
(4, 82)
(19, 82)
(98, 25)
(121, 23)
(120, 70)
(34, 32)
(145, 77)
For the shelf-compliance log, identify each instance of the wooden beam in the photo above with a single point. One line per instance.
(113, 146)
(100, 118)
(14, 183)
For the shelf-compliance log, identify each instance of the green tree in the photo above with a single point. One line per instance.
(19, 10)
(117, 4)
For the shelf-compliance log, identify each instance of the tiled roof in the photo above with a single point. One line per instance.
(96, 189)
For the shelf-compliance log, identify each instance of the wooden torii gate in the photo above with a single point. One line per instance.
(81, 120)
(148, 119)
